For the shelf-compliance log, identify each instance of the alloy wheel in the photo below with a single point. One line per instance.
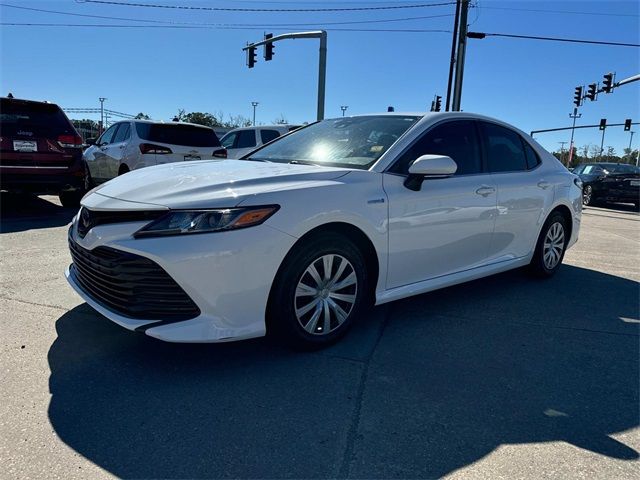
(553, 245)
(586, 195)
(325, 294)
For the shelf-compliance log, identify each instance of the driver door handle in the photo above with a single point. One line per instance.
(485, 190)
(543, 184)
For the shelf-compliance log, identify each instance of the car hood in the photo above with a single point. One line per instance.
(206, 184)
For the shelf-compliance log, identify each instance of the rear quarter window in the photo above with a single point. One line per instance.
(177, 134)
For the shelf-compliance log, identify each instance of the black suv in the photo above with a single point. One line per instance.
(40, 151)
(609, 182)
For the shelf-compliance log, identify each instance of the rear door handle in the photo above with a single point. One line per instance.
(543, 184)
(485, 190)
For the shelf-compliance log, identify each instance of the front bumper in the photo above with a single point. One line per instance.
(228, 275)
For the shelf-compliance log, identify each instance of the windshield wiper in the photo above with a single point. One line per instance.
(303, 162)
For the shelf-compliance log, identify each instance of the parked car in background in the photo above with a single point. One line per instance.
(40, 151)
(609, 182)
(243, 140)
(301, 235)
(133, 144)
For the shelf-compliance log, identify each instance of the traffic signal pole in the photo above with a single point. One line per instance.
(573, 129)
(322, 60)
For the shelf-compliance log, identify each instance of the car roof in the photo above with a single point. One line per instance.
(160, 122)
(24, 100)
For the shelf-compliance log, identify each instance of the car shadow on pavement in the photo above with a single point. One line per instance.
(445, 379)
(21, 212)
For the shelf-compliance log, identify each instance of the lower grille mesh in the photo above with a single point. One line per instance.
(130, 285)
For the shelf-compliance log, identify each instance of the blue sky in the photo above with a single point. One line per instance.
(159, 70)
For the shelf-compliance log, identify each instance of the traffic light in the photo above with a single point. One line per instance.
(607, 84)
(627, 125)
(603, 123)
(577, 97)
(592, 91)
(251, 56)
(438, 103)
(268, 47)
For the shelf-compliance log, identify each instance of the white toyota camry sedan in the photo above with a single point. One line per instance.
(298, 238)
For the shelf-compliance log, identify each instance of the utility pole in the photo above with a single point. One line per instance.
(462, 46)
(573, 128)
(452, 63)
(562, 144)
(254, 104)
(102, 99)
(631, 139)
(322, 59)
(344, 108)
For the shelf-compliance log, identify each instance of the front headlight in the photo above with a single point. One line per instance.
(179, 222)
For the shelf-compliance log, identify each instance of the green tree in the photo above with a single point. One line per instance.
(142, 116)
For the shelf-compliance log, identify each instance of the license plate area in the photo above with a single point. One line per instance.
(25, 146)
(188, 158)
(635, 183)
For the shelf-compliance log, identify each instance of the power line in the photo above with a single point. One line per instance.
(257, 27)
(571, 12)
(480, 35)
(245, 9)
(170, 22)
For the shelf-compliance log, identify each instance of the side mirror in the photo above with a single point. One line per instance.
(90, 141)
(429, 166)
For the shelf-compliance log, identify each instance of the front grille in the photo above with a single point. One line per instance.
(130, 285)
(92, 218)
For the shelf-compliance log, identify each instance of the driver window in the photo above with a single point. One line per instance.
(457, 139)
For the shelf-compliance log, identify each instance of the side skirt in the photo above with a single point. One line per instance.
(449, 280)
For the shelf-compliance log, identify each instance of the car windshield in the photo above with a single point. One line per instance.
(31, 119)
(354, 142)
(621, 168)
(177, 134)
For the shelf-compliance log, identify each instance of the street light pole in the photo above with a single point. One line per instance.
(102, 99)
(573, 128)
(254, 104)
(344, 109)
(631, 139)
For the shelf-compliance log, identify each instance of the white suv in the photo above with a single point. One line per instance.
(134, 144)
(241, 141)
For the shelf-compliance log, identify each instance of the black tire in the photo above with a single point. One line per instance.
(538, 266)
(587, 195)
(282, 317)
(71, 199)
(88, 180)
(123, 169)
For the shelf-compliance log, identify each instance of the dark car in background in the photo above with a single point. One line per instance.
(609, 183)
(40, 151)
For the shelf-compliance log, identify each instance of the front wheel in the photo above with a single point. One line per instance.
(71, 199)
(551, 246)
(587, 195)
(320, 289)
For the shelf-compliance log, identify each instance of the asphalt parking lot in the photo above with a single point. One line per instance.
(505, 377)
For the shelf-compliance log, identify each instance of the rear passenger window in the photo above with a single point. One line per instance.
(246, 139)
(504, 149)
(456, 139)
(268, 135)
(122, 133)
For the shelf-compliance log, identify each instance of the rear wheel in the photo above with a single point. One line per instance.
(551, 246)
(319, 291)
(123, 169)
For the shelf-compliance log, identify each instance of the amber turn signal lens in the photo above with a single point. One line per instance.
(254, 216)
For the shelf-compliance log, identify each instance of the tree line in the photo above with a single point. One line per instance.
(591, 153)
